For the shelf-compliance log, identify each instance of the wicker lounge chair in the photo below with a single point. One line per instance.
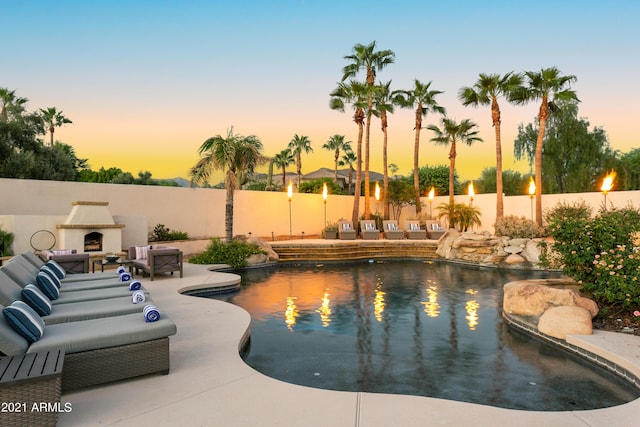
(368, 230)
(391, 230)
(412, 230)
(434, 229)
(346, 230)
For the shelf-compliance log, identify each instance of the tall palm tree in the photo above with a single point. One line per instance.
(546, 86)
(486, 91)
(354, 93)
(11, 103)
(371, 61)
(53, 118)
(451, 134)
(384, 102)
(337, 144)
(424, 100)
(235, 155)
(348, 159)
(298, 145)
(282, 160)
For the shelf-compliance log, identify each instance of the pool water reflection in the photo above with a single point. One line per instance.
(427, 329)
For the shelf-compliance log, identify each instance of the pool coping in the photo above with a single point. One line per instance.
(209, 382)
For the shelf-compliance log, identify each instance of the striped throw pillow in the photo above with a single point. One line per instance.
(36, 300)
(56, 268)
(24, 320)
(47, 286)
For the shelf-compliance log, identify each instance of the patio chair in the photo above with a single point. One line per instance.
(156, 259)
(391, 230)
(412, 230)
(368, 230)
(346, 230)
(434, 229)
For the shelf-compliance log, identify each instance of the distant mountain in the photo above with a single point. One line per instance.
(181, 181)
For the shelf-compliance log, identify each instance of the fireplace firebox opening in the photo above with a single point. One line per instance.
(93, 242)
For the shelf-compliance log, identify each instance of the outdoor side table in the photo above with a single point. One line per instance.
(103, 262)
(30, 386)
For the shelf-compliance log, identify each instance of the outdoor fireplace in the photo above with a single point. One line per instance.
(93, 242)
(90, 228)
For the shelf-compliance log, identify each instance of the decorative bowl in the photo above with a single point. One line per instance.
(111, 257)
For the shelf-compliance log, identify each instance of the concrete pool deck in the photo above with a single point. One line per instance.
(209, 384)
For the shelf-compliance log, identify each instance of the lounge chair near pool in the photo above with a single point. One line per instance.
(154, 260)
(346, 230)
(368, 230)
(391, 230)
(434, 229)
(412, 230)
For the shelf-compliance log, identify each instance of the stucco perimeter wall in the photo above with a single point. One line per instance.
(200, 212)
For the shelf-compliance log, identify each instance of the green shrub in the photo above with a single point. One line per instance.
(517, 227)
(161, 233)
(600, 253)
(6, 240)
(233, 253)
(459, 215)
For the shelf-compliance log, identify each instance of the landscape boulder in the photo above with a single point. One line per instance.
(559, 322)
(532, 298)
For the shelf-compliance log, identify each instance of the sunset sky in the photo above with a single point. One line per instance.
(146, 82)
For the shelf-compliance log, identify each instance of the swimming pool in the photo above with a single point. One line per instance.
(427, 329)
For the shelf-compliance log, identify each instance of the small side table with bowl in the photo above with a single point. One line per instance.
(110, 259)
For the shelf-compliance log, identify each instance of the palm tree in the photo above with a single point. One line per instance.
(10, 103)
(424, 100)
(384, 101)
(235, 154)
(348, 159)
(299, 144)
(354, 93)
(337, 144)
(368, 59)
(486, 91)
(452, 133)
(53, 118)
(282, 160)
(546, 86)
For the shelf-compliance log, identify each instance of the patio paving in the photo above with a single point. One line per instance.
(209, 384)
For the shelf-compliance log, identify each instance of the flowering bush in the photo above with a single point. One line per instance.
(600, 253)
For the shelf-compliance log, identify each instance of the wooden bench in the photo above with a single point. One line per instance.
(30, 387)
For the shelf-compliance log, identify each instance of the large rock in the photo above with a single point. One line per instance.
(514, 259)
(256, 259)
(561, 321)
(528, 298)
(445, 244)
(531, 251)
(271, 254)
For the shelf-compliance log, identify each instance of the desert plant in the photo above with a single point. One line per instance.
(517, 227)
(233, 253)
(459, 215)
(161, 233)
(6, 240)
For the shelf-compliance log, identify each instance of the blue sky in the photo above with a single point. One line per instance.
(146, 82)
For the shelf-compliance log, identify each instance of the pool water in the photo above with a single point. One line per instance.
(418, 328)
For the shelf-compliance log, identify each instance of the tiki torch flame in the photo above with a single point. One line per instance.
(607, 183)
(532, 187)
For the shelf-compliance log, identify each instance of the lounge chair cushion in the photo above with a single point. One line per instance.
(56, 268)
(24, 320)
(47, 286)
(414, 227)
(107, 332)
(11, 342)
(52, 274)
(368, 226)
(85, 310)
(346, 227)
(36, 300)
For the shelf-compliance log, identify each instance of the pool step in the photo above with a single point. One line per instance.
(338, 251)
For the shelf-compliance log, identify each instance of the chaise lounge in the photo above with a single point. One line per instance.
(391, 230)
(434, 229)
(346, 230)
(413, 231)
(368, 230)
